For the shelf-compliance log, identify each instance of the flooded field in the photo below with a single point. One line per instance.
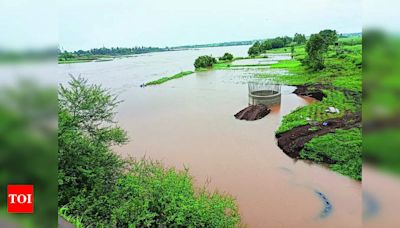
(189, 122)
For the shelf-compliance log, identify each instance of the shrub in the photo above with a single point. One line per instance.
(204, 61)
(227, 57)
(99, 189)
(151, 195)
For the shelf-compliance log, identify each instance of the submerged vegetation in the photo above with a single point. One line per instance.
(96, 188)
(226, 57)
(165, 79)
(204, 61)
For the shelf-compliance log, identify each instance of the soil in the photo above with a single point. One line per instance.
(314, 91)
(253, 112)
(293, 141)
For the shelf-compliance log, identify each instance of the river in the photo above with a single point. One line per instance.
(189, 122)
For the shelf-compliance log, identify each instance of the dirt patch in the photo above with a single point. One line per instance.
(253, 112)
(293, 141)
(314, 91)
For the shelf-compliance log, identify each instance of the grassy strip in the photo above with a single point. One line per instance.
(85, 58)
(165, 79)
(75, 61)
(316, 112)
(342, 146)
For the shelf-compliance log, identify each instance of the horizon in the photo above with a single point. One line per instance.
(121, 23)
(201, 44)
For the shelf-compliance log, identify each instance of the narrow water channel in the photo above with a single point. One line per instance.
(189, 122)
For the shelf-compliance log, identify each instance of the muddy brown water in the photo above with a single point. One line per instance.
(189, 122)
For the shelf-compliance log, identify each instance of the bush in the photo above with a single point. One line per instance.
(204, 61)
(99, 189)
(151, 195)
(227, 57)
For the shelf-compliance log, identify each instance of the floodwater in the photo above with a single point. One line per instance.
(189, 122)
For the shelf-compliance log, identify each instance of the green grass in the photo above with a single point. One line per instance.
(343, 67)
(316, 112)
(342, 146)
(63, 212)
(165, 79)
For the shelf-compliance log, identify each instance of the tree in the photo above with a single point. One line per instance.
(86, 165)
(204, 61)
(316, 47)
(277, 42)
(330, 36)
(266, 45)
(292, 51)
(227, 56)
(300, 38)
(255, 49)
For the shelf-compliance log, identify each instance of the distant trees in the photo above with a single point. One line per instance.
(115, 51)
(299, 38)
(260, 47)
(226, 57)
(204, 61)
(65, 55)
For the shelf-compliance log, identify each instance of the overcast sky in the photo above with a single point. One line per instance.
(85, 24)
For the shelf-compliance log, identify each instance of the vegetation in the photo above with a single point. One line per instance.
(226, 57)
(343, 66)
(222, 44)
(98, 189)
(204, 61)
(97, 53)
(165, 79)
(260, 47)
(316, 112)
(316, 48)
(341, 146)
(335, 63)
(299, 39)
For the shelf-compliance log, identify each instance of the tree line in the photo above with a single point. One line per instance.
(114, 51)
(261, 46)
(316, 46)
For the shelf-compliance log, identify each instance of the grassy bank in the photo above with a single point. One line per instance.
(165, 79)
(341, 80)
(342, 146)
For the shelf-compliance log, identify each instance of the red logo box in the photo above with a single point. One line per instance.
(20, 198)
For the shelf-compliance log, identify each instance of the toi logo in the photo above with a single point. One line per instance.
(20, 198)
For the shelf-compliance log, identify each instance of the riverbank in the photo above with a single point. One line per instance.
(328, 131)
